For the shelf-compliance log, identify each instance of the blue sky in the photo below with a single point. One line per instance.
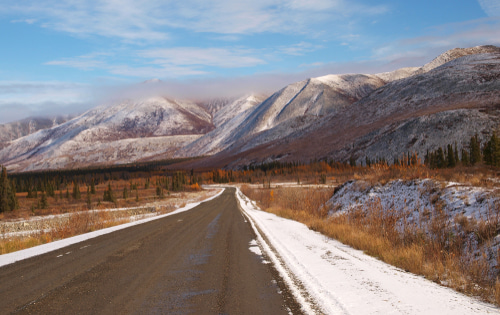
(65, 56)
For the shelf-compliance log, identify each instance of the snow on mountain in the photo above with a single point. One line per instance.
(455, 54)
(97, 135)
(236, 107)
(375, 124)
(17, 129)
(333, 116)
(227, 120)
(397, 74)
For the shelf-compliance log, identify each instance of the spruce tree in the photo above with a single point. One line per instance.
(76, 191)
(108, 194)
(475, 150)
(450, 156)
(89, 200)
(440, 159)
(92, 187)
(8, 198)
(465, 157)
(43, 201)
(492, 151)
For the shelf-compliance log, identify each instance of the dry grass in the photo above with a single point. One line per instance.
(81, 221)
(432, 248)
(77, 223)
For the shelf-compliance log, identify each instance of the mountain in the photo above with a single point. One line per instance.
(339, 117)
(438, 104)
(21, 128)
(292, 108)
(119, 133)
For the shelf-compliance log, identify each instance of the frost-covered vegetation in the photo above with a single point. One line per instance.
(442, 224)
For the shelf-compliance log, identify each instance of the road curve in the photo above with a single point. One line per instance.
(195, 262)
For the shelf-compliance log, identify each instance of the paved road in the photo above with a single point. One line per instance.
(193, 262)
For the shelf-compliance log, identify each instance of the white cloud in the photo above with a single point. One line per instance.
(417, 50)
(299, 49)
(212, 57)
(490, 7)
(165, 62)
(153, 20)
(27, 21)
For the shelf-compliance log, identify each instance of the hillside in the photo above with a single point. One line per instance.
(386, 115)
(119, 133)
(440, 106)
(17, 129)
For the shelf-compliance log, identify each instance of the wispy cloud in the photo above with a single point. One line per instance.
(166, 62)
(154, 20)
(414, 51)
(216, 57)
(490, 7)
(299, 49)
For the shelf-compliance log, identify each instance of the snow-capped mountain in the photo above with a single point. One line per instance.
(442, 104)
(336, 116)
(17, 129)
(111, 134)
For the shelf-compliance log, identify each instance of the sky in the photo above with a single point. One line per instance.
(66, 56)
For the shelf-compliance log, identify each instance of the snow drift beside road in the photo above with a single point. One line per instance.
(342, 280)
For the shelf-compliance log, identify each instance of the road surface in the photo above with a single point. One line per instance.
(195, 262)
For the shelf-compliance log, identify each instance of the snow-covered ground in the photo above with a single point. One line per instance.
(10, 258)
(415, 195)
(329, 277)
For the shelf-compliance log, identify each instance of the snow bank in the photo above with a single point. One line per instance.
(329, 277)
(416, 195)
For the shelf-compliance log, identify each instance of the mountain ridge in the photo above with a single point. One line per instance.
(331, 117)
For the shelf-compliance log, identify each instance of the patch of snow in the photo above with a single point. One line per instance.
(340, 280)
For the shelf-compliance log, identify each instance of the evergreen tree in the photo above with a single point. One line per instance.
(492, 151)
(440, 160)
(159, 191)
(89, 199)
(43, 201)
(92, 187)
(465, 157)
(76, 191)
(108, 194)
(475, 150)
(455, 154)
(352, 161)
(450, 157)
(8, 198)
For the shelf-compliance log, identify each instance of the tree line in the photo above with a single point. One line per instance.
(8, 198)
(470, 155)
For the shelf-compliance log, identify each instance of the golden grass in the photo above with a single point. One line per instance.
(78, 223)
(81, 221)
(439, 255)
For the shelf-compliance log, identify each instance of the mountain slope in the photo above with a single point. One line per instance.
(384, 115)
(292, 108)
(21, 128)
(89, 138)
(469, 83)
